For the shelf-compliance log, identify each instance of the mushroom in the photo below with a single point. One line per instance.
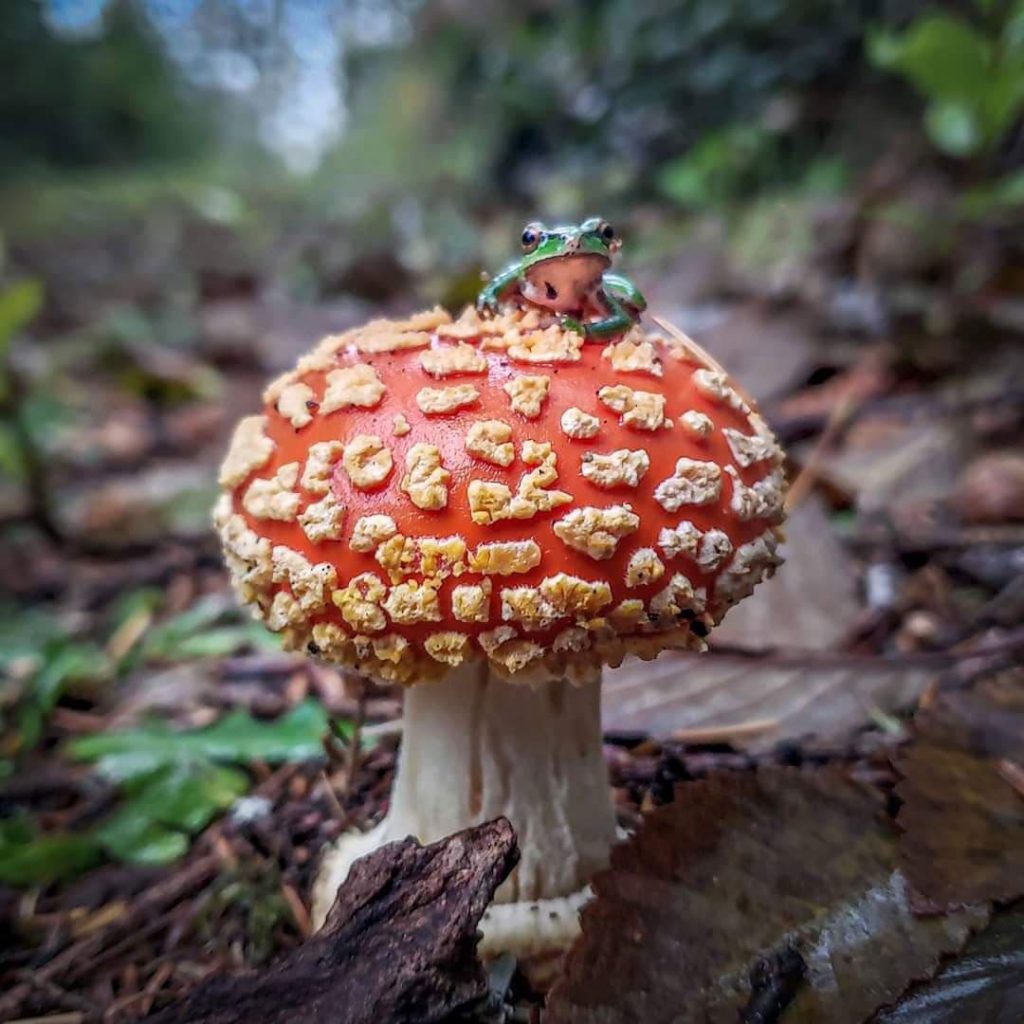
(488, 510)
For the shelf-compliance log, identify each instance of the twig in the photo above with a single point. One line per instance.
(723, 733)
(839, 419)
(55, 1018)
(1012, 773)
(82, 954)
(299, 912)
(332, 797)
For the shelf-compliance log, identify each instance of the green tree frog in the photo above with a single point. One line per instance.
(565, 269)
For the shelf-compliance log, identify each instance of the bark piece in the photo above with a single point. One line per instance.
(399, 943)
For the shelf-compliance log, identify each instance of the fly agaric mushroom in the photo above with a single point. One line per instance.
(488, 510)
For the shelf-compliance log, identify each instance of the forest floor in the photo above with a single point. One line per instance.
(169, 777)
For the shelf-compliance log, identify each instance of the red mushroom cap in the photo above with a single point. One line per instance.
(419, 493)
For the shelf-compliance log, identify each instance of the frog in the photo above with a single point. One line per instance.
(565, 269)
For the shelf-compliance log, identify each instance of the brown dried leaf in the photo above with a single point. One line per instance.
(963, 826)
(986, 720)
(738, 868)
(756, 702)
(984, 984)
(810, 605)
(894, 467)
(769, 354)
(963, 818)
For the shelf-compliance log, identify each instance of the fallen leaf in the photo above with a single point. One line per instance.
(962, 817)
(991, 489)
(811, 603)
(767, 354)
(806, 609)
(893, 467)
(983, 985)
(399, 944)
(758, 702)
(963, 826)
(987, 719)
(739, 867)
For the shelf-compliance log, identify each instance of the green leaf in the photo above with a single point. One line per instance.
(945, 58)
(237, 738)
(188, 796)
(63, 665)
(162, 641)
(27, 858)
(226, 640)
(716, 168)
(1003, 101)
(26, 633)
(12, 460)
(19, 303)
(953, 128)
(212, 627)
(132, 835)
(1005, 194)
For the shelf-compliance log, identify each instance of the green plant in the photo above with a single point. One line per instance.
(970, 72)
(720, 167)
(172, 784)
(42, 660)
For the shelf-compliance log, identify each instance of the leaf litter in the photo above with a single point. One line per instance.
(813, 671)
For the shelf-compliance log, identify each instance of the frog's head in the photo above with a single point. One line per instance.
(562, 265)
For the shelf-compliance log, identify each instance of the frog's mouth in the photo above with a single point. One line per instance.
(563, 283)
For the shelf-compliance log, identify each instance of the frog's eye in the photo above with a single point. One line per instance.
(607, 231)
(531, 237)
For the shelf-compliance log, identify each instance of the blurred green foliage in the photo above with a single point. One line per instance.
(109, 100)
(971, 72)
(171, 785)
(556, 105)
(29, 858)
(44, 658)
(236, 738)
(20, 301)
(255, 890)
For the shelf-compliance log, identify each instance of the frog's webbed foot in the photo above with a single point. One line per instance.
(619, 319)
(487, 303)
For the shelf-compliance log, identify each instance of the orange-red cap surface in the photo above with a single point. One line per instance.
(419, 493)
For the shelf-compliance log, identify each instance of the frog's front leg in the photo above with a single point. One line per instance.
(624, 303)
(491, 294)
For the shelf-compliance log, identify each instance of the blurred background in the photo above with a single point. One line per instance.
(828, 194)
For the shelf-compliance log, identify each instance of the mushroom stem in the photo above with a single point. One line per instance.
(475, 747)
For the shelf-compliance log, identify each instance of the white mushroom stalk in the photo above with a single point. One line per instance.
(475, 747)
